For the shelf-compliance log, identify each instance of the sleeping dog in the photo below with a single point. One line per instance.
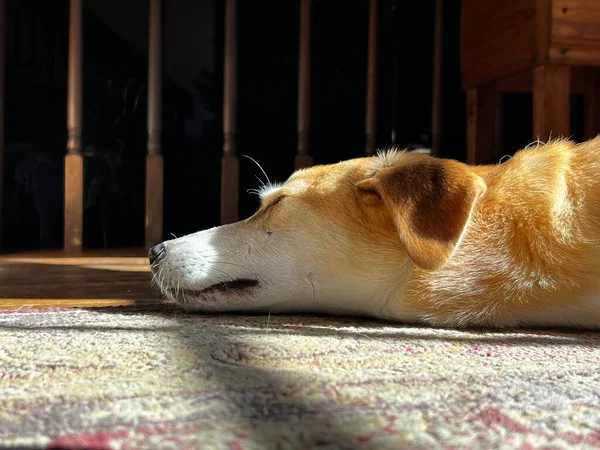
(410, 238)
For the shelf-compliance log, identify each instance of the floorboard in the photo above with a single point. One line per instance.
(92, 279)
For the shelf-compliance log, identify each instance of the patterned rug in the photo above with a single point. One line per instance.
(124, 378)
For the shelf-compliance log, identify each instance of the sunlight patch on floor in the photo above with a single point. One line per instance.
(11, 303)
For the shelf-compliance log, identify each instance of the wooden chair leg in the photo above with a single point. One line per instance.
(592, 104)
(551, 102)
(481, 112)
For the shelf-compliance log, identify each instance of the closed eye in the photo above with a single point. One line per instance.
(277, 200)
(274, 202)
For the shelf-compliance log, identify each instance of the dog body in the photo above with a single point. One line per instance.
(410, 238)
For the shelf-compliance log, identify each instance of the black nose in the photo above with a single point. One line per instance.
(156, 253)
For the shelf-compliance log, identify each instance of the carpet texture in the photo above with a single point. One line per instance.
(122, 378)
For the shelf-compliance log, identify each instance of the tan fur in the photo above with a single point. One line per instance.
(444, 243)
(533, 240)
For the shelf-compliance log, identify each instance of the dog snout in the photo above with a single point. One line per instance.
(156, 253)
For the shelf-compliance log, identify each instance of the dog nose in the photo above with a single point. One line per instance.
(157, 252)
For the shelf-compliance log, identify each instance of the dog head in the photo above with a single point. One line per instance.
(338, 238)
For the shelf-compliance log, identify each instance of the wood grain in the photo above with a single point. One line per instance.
(543, 19)
(154, 199)
(73, 176)
(592, 104)
(371, 112)
(481, 122)
(230, 164)
(52, 279)
(575, 32)
(73, 228)
(16, 303)
(551, 102)
(2, 73)
(497, 39)
(154, 159)
(303, 158)
(230, 185)
(523, 82)
(500, 38)
(438, 64)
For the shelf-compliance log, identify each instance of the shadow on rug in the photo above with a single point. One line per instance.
(127, 378)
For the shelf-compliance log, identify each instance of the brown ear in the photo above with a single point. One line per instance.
(431, 201)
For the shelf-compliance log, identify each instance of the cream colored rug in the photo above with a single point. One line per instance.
(122, 378)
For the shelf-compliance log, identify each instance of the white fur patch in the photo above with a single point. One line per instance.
(386, 158)
(267, 189)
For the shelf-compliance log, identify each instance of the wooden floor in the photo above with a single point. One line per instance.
(93, 279)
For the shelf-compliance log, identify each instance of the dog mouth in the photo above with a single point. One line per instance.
(237, 286)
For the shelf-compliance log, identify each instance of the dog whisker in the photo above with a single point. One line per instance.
(160, 279)
(260, 167)
(261, 184)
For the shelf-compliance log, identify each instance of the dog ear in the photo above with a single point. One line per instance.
(431, 201)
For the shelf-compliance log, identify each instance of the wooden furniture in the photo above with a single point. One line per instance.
(547, 47)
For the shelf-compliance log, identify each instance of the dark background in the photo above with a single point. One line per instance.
(115, 74)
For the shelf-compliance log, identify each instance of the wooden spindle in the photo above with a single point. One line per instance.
(73, 226)
(2, 81)
(154, 158)
(303, 158)
(371, 115)
(436, 110)
(230, 165)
